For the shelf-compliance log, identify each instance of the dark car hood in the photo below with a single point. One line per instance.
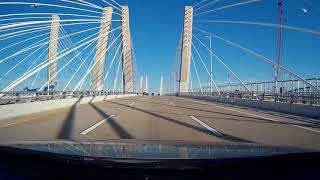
(155, 150)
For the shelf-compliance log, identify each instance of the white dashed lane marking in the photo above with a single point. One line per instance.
(207, 126)
(262, 117)
(85, 132)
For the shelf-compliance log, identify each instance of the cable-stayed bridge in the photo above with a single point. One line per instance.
(72, 74)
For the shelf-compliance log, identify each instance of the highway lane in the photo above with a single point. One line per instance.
(254, 125)
(147, 118)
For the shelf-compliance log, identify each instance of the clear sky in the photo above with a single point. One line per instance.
(299, 49)
(156, 26)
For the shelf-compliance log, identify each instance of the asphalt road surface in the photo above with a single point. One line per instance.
(165, 119)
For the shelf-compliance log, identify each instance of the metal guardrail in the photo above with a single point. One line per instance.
(25, 96)
(293, 98)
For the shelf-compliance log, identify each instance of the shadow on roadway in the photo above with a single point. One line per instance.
(277, 114)
(202, 110)
(264, 111)
(121, 132)
(243, 120)
(66, 129)
(253, 119)
(205, 131)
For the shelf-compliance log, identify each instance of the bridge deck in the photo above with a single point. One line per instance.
(164, 118)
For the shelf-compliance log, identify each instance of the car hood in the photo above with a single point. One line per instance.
(155, 149)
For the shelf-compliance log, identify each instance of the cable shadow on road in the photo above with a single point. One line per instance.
(202, 110)
(278, 114)
(159, 99)
(264, 111)
(65, 131)
(253, 119)
(121, 132)
(243, 120)
(202, 130)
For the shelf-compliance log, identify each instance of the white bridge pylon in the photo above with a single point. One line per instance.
(53, 49)
(98, 70)
(186, 50)
(126, 51)
(185, 82)
(98, 64)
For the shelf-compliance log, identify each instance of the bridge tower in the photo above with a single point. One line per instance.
(98, 70)
(141, 84)
(146, 85)
(186, 50)
(161, 86)
(277, 74)
(53, 49)
(126, 51)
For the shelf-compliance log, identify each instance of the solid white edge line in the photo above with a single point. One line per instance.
(85, 132)
(270, 119)
(297, 126)
(172, 104)
(313, 130)
(206, 126)
(250, 114)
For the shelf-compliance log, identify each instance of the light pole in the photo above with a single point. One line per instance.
(210, 46)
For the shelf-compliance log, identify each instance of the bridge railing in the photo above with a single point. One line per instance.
(25, 97)
(294, 86)
(310, 98)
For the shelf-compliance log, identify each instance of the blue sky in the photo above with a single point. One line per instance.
(156, 26)
(159, 24)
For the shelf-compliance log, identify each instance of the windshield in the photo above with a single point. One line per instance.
(159, 79)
